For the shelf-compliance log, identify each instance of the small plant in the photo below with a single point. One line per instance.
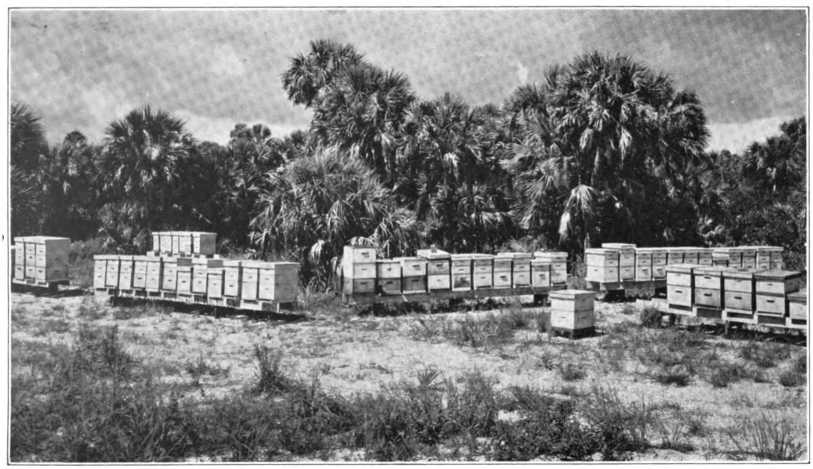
(271, 378)
(678, 375)
(792, 378)
(722, 373)
(572, 372)
(766, 437)
(800, 364)
(651, 317)
(622, 427)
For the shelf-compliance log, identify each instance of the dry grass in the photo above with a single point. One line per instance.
(202, 358)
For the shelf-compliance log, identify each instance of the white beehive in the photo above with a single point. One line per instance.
(45, 258)
(558, 265)
(602, 265)
(438, 268)
(125, 272)
(572, 310)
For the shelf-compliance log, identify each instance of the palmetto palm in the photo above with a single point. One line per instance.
(140, 158)
(311, 73)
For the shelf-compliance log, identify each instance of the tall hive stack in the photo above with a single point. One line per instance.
(502, 270)
(388, 276)
(414, 274)
(461, 272)
(679, 287)
(438, 269)
(738, 295)
(726, 256)
(572, 311)
(268, 281)
(41, 259)
(358, 269)
(643, 264)
(708, 291)
(626, 259)
(520, 270)
(602, 265)
(558, 265)
(749, 257)
(704, 256)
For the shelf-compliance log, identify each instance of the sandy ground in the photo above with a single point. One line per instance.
(353, 354)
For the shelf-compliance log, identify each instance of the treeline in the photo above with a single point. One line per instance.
(603, 148)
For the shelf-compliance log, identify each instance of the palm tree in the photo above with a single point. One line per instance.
(309, 74)
(140, 158)
(315, 205)
(27, 137)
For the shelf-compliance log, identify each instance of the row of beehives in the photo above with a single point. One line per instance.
(618, 262)
(180, 243)
(199, 276)
(436, 270)
(40, 259)
(747, 291)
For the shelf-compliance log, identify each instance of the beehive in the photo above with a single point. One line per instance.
(438, 268)
(100, 271)
(643, 264)
(738, 290)
(200, 270)
(184, 242)
(204, 243)
(140, 272)
(772, 288)
(214, 282)
(659, 260)
(125, 272)
(231, 278)
(558, 265)
(482, 270)
(169, 273)
(674, 255)
(749, 257)
(521, 269)
(708, 287)
(797, 305)
(503, 264)
(389, 286)
(156, 242)
(626, 259)
(572, 310)
(45, 258)
(165, 242)
(602, 265)
(413, 274)
(679, 286)
(184, 282)
(704, 256)
(727, 256)
(358, 270)
(777, 262)
(19, 261)
(540, 273)
(278, 281)
(461, 272)
(154, 271)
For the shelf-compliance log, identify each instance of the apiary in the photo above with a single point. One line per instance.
(708, 287)
(558, 265)
(704, 256)
(154, 270)
(679, 286)
(125, 272)
(482, 270)
(572, 310)
(461, 272)
(214, 282)
(140, 272)
(738, 291)
(540, 273)
(169, 274)
(772, 288)
(797, 305)
(231, 278)
(438, 268)
(602, 265)
(503, 264)
(643, 264)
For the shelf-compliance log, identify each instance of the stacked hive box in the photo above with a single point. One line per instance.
(200, 274)
(643, 264)
(214, 282)
(726, 256)
(140, 272)
(461, 272)
(704, 256)
(358, 270)
(100, 271)
(125, 273)
(437, 268)
(674, 255)
(413, 270)
(572, 311)
(659, 260)
(268, 281)
(540, 273)
(232, 279)
(738, 294)
(691, 255)
(520, 270)
(797, 306)
(169, 274)
(388, 278)
(502, 270)
(626, 259)
(184, 243)
(749, 257)
(41, 259)
(708, 291)
(679, 286)
(602, 265)
(558, 265)
(777, 263)
(154, 270)
(772, 288)
(482, 271)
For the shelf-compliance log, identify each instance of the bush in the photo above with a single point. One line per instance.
(571, 372)
(678, 375)
(764, 355)
(721, 374)
(792, 378)
(766, 437)
(271, 379)
(621, 427)
(650, 317)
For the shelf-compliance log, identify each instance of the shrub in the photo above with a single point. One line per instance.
(721, 374)
(271, 379)
(764, 355)
(678, 375)
(650, 317)
(800, 364)
(621, 427)
(792, 378)
(571, 372)
(766, 437)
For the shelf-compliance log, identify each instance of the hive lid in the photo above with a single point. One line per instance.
(461, 257)
(799, 296)
(618, 245)
(651, 250)
(570, 294)
(739, 273)
(408, 259)
(432, 253)
(233, 262)
(515, 255)
(600, 251)
(394, 260)
(777, 275)
(711, 270)
(551, 254)
(682, 268)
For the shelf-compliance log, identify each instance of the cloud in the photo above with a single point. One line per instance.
(225, 62)
(736, 136)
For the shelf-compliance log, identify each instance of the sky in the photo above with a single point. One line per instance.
(82, 69)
